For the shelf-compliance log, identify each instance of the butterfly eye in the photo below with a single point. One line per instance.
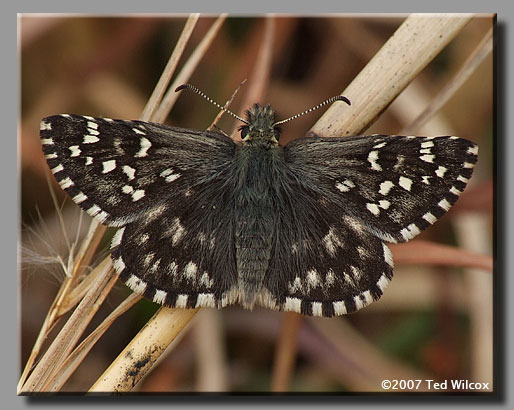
(244, 131)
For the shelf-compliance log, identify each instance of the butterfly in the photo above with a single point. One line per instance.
(204, 221)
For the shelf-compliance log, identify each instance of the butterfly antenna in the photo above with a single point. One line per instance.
(196, 90)
(329, 101)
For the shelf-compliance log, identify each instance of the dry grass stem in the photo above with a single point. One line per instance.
(183, 76)
(227, 104)
(167, 74)
(66, 297)
(424, 252)
(211, 367)
(261, 72)
(474, 235)
(79, 353)
(416, 42)
(484, 48)
(45, 370)
(366, 366)
(285, 353)
(142, 352)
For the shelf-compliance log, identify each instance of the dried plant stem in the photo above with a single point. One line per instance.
(285, 353)
(71, 331)
(79, 353)
(424, 252)
(142, 352)
(470, 65)
(167, 74)
(65, 298)
(416, 42)
(183, 76)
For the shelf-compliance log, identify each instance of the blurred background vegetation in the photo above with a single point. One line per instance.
(425, 325)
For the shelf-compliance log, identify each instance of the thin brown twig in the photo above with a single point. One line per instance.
(481, 51)
(168, 71)
(183, 76)
(285, 353)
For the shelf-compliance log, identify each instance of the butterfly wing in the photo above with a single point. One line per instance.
(116, 170)
(175, 245)
(396, 186)
(324, 262)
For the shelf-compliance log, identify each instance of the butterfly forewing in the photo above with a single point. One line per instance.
(116, 170)
(397, 186)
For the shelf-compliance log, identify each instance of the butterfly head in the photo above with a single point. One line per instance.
(260, 125)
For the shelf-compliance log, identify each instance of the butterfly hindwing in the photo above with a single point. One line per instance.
(329, 267)
(397, 186)
(116, 170)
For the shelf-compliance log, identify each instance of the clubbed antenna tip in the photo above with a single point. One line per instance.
(329, 101)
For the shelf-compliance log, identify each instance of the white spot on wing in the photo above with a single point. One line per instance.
(45, 126)
(313, 279)
(138, 194)
(47, 141)
(160, 296)
(116, 239)
(119, 265)
(90, 139)
(293, 304)
(356, 272)
(169, 175)
(138, 131)
(66, 183)
(444, 204)
(145, 146)
(93, 210)
(57, 169)
(405, 183)
(136, 284)
(91, 124)
(427, 144)
(108, 166)
(75, 151)
(388, 256)
(441, 171)
(205, 300)
(190, 270)
(79, 198)
(181, 301)
(317, 309)
(373, 208)
(372, 159)
(296, 286)
(127, 189)
(410, 232)
(427, 158)
(455, 191)
(383, 282)
(53, 155)
(430, 218)
(473, 150)
(332, 242)
(89, 160)
(385, 187)
(339, 308)
(178, 231)
(468, 165)
(462, 179)
(129, 171)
